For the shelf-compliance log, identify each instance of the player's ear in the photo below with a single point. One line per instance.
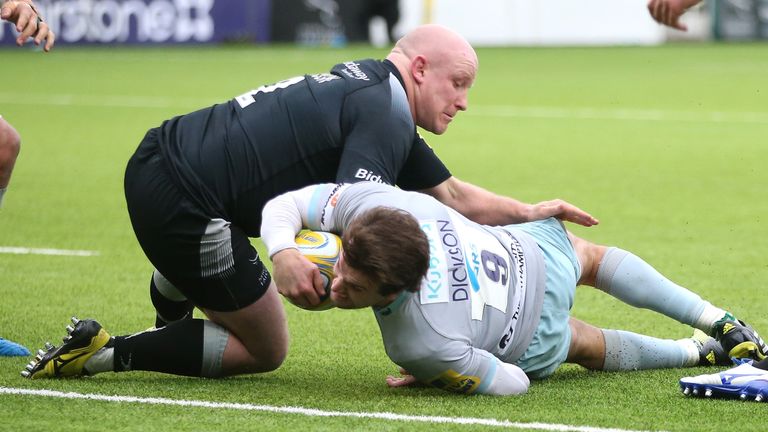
(418, 68)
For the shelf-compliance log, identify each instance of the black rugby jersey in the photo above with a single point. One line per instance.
(353, 124)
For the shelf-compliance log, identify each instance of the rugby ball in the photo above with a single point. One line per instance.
(322, 249)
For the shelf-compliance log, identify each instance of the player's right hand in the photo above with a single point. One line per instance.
(402, 381)
(297, 278)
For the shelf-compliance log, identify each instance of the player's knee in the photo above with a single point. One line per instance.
(587, 345)
(274, 360)
(589, 255)
(267, 360)
(269, 351)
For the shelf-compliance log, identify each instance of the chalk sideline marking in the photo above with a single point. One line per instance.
(504, 111)
(43, 251)
(311, 411)
(630, 114)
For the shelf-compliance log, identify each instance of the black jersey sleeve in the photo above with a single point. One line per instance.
(423, 169)
(378, 134)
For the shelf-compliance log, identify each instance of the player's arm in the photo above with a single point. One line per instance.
(28, 22)
(282, 218)
(668, 12)
(508, 380)
(10, 144)
(488, 208)
(478, 372)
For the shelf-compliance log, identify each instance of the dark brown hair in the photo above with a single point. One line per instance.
(388, 246)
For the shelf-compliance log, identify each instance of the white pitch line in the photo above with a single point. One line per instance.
(632, 114)
(101, 101)
(38, 251)
(311, 411)
(514, 111)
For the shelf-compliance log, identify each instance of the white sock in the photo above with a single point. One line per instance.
(102, 361)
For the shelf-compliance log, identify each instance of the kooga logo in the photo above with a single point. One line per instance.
(109, 21)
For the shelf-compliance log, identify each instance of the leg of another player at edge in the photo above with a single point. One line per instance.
(253, 339)
(633, 281)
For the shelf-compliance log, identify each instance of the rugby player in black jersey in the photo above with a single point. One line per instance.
(196, 186)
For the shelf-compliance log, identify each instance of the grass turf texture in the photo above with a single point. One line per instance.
(665, 145)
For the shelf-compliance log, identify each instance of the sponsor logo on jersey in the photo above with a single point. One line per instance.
(364, 174)
(518, 259)
(330, 202)
(510, 333)
(434, 287)
(453, 381)
(324, 77)
(460, 277)
(353, 71)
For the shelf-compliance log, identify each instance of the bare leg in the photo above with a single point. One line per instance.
(613, 350)
(587, 345)
(260, 341)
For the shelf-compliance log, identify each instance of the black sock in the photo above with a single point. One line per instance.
(167, 309)
(174, 349)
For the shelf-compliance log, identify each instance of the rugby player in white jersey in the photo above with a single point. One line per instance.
(479, 309)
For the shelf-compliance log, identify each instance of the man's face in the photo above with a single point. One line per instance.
(443, 92)
(351, 289)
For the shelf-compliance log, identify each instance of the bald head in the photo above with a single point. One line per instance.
(436, 43)
(438, 67)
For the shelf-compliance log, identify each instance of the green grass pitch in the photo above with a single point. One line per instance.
(665, 145)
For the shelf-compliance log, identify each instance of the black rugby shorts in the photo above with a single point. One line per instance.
(206, 258)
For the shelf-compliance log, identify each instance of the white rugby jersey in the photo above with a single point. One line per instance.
(480, 301)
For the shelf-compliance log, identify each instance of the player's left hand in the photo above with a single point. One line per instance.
(402, 381)
(563, 211)
(28, 23)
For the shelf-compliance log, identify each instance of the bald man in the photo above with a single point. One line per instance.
(196, 186)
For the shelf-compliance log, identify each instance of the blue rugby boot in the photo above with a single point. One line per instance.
(744, 381)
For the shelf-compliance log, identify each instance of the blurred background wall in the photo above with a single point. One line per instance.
(339, 22)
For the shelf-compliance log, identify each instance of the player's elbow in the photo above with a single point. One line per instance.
(509, 380)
